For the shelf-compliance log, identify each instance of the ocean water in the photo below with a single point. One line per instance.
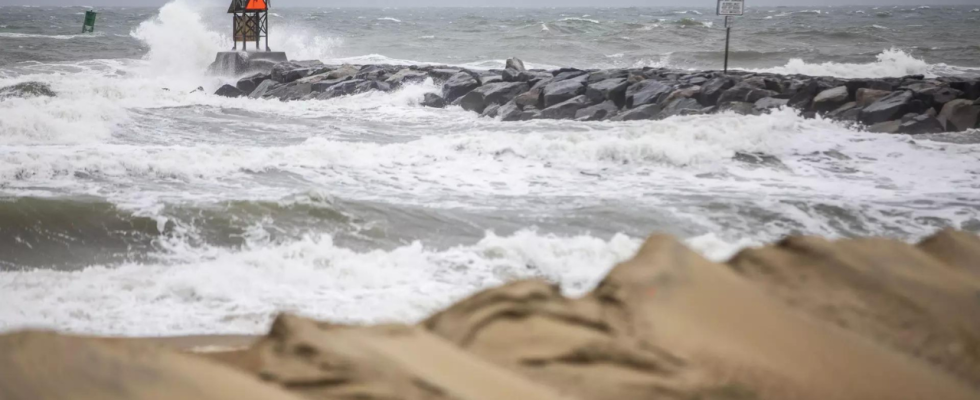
(131, 205)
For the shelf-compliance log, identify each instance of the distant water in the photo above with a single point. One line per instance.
(129, 205)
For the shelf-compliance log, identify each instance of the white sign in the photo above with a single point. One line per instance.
(729, 21)
(731, 7)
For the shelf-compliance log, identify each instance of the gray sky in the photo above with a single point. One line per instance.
(507, 3)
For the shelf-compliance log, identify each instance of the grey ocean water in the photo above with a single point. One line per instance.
(131, 204)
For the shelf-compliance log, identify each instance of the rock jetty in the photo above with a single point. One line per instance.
(910, 104)
(805, 319)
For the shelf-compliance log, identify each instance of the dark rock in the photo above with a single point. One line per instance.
(515, 64)
(229, 91)
(433, 100)
(443, 74)
(598, 112)
(343, 72)
(513, 75)
(561, 91)
(830, 99)
(646, 92)
(607, 74)
(744, 93)
(769, 103)
(531, 98)
(405, 77)
(712, 91)
(263, 88)
(864, 97)
(694, 80)
(803, 98)
(635, 78)
(872, 84)
(685, 93)
(28, 89)
(510, 112)
(486, 80)
(494, 93)
(528, 115)
(960, 115)
(887, 108)
(681, 106)
(458, 86)
(286, 72)
(567, 73)
(566, 109)
(885, 127)
(610, 89)
(490, 111)
(324, 85)
(938, 96)
(739, 107)
(343, 88)
(372, 72)
(248, 84)
(921, 124)
(644, 112)
(367, 86)
(836, 113)
(970, 89)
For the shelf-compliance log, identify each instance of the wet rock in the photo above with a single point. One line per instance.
(566, 109)
(607, 74)
(685, 93)
(803, 99)
(887, 108)
(459, 85)
(739, 107)
(871, 84)
(486, 80)
(681, 106)
(568, 73)
(262, 89)
(842, 109)
(433, 100)
(286, 72)
(343, 72)
(372, 72)
(490, 111)
(248, 84)
(531, 98)
(938, 96)
(970, 89)
(864, 97)
(598, 112)
(921, 124)
(229, 91)
(405, 77)
(513, 75)
(609, 89)
(343, 88)
(744, 93)
(443, 74)
(646, 92)
(369, 86)
(711, 91)
(769, 103)
(561, 91)
(644, 112)
(515, 64)
(27, 89)
(510, 112)
(959, 115)
(324, 85)
(830, 99)
(885, 127)
(528, 115)
(494, 93)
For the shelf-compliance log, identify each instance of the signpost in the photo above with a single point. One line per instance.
(730, 9)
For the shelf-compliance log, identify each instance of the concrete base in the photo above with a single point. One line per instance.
(241, 62)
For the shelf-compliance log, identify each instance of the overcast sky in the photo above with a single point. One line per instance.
(506, 3)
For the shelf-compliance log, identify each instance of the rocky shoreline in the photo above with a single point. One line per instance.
(910, 105)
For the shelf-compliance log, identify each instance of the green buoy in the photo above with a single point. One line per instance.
(89, 25)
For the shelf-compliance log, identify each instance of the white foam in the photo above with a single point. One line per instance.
(230, 291)
(389, 19)
(56, 37)
(576, 19)
(890, 63)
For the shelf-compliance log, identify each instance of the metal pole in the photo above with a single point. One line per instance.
(728, 34)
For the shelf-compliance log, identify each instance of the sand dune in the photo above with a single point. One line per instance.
(805, 318)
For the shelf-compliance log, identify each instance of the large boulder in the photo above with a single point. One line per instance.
(372, 72)
(646, 92)
(864, 97)
(27, 89)
(959, 115)
(888, 108)
(343, 72)
(433, 100)
(368, 86)
(744, 93)
(324, 85)
(286, 72)
(769, 103)
(406, 76)
(557, 92)
(568, 73)
(263, 88)
(494, 93)
(229, 91)
(830, 99)
(713, 89)
(871, 84)
(921, 124)
(459, 85)
(938, 96)
(515, 64)
(343, 88)
(598, 112)
(249, 83)
(610, 89)
(681, 106)
(685, 93)
(644, 112)
(566, 109)
(509, 112)
(970, 89)
(803, 98)
(442, 74)
(606, 74)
